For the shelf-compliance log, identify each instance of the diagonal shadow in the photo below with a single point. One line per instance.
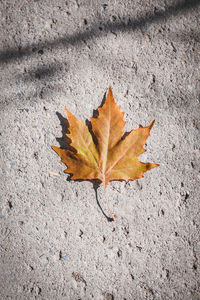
(96, 31)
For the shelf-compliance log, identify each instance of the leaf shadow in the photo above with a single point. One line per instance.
(64, 143)
(95, 115)
(96, 185)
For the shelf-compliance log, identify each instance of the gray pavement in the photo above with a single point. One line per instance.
(55, 242)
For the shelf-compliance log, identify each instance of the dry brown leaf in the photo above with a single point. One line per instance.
(110, 157)
(113, 157)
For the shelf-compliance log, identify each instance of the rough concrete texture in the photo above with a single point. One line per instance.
(55, 242)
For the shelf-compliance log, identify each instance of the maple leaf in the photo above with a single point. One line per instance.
(112, 156)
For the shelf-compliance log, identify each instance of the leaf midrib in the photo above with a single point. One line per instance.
(107, 141)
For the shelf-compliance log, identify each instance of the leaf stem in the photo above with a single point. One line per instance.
(107, 202)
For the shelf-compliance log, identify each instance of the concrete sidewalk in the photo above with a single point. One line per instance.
(55, 242)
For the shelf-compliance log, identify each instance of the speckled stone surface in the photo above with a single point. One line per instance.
(55, 242)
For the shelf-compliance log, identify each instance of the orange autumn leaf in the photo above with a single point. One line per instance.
(110, 157)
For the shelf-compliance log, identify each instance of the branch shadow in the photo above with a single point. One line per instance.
(33, 49)
(41, 72)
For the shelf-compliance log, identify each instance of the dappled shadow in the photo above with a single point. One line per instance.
(186, 36)
(41, 73)
(178, 8)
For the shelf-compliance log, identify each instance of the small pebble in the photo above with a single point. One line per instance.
(178, 219)
(41, 52)
(19, 94)
(191, 87)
